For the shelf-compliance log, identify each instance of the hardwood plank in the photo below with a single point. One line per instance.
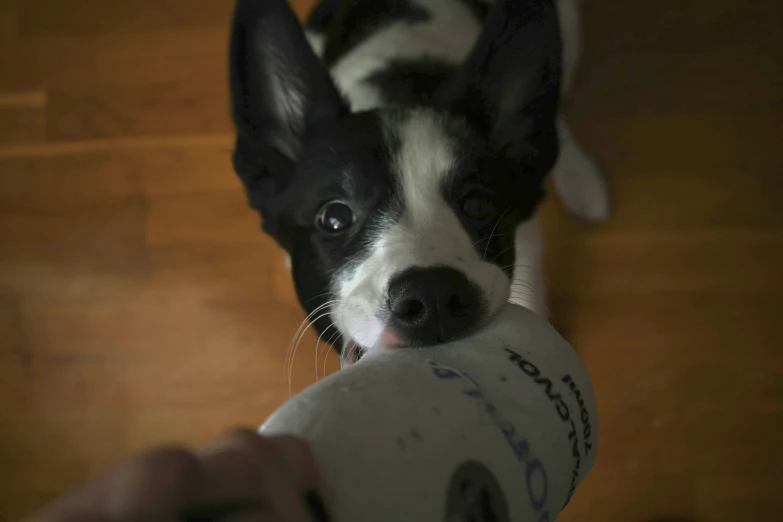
(674, 57)
(668, 263)
(696, 25)
(694, 418)
(9, 22)
(22, 124)
(18, 57)
(224, 142)
(90, 17)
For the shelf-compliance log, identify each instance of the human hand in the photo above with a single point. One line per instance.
(240, 477)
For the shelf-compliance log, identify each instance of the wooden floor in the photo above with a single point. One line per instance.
(140, 303)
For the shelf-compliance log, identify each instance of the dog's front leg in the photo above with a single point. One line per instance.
(527, 285)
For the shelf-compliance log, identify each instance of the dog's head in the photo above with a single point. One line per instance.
(399, 221)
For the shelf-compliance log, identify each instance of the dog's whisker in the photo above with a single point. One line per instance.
(292, 347)
(501, 253)
(309, 320)
(493, 231)
(487, 238)
(317, 296)
(317, 353)
(325, 348)
(301, 326)
(296, 348)
(329, 343)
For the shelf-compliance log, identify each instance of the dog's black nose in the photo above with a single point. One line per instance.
(433, 305)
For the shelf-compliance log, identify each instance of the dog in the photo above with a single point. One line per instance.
(397, 151)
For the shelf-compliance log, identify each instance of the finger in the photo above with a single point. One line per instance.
(235, 467)
(276, 476)
(156, 486)
(148, 487)
(74, 506)
(292, 456)
(299, 457)
(234, 474)
(278, 472)
(299, 454)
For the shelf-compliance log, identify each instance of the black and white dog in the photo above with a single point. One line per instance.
(397, 150)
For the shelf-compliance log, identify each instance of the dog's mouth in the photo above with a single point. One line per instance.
(352, 352)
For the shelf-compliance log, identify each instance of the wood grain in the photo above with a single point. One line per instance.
(140, 303)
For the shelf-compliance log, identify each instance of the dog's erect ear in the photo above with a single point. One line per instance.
(510, 83)
(280, 92)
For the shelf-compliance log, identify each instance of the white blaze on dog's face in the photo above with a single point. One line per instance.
(423, 278)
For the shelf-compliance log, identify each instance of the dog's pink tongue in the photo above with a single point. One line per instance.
(391, 339)
(388, 340)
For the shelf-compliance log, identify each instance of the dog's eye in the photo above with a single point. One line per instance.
(335, 217)
(477, 206)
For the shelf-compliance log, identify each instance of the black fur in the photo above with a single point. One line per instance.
(347, 23)
(479, 8)
(322, 14)
(510, 84)
(412, 82)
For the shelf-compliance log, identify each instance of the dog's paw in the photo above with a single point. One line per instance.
(534, 304)
(581, 185)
